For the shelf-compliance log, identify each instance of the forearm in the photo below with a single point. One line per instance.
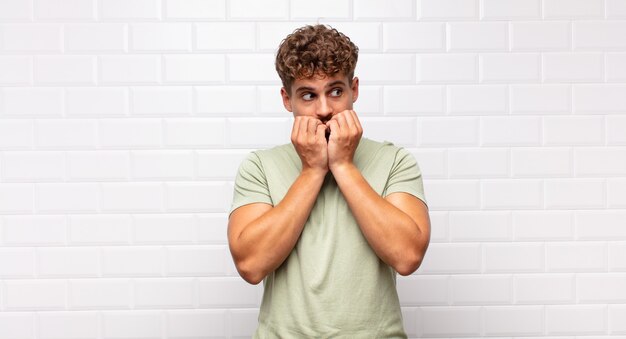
(267, 241)
(393, 235)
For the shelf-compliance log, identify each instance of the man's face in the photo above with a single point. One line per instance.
(321, 96)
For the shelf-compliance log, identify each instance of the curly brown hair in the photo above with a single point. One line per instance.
(312, 50)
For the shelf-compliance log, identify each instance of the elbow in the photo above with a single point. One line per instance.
(247, 268)
(409, 263)
(252, 279)
(412, 259)
(249, 273)
(407, 268)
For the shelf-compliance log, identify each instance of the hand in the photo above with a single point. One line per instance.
(308, 138)
(345, 135)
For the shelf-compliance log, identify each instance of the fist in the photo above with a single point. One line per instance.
(308, 138)
(345, 135)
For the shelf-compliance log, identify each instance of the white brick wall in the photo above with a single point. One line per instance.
(123, 122)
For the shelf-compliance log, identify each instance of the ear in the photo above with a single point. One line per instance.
(286, 100)
(355, 88)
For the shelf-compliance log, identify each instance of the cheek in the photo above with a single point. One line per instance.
(344, 104)
(302, 110)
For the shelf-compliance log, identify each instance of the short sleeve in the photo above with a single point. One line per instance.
(250, 183)
(405, 176)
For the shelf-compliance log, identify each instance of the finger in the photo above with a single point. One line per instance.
(302, 131)
(295, 129)
(351, 126)
(321, 132)
(356, 120)
(333, 125)
(311, 129)
(313, 126)
(342, 123)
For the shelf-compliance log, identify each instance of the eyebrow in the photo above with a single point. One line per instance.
(311, 89)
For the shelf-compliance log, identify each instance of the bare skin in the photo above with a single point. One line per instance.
(397, 227)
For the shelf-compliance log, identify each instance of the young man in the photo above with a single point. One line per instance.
(327, 220)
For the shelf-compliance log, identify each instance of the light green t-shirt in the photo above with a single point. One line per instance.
(332, 284)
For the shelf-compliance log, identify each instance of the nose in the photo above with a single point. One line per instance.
(324, 109)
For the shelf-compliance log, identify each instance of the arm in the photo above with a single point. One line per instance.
(260, 236)
(396, 227)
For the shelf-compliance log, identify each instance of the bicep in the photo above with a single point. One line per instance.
(244, 215)
(414, 207)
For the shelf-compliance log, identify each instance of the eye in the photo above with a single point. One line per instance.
(308, 96)
(336, 92)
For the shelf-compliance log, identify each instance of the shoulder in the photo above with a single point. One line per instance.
(277, 154)
(256, 164)
(380, 149)
(385, 153)
(375, 158)
(266, 159)
(276, 150)
(267, 153)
